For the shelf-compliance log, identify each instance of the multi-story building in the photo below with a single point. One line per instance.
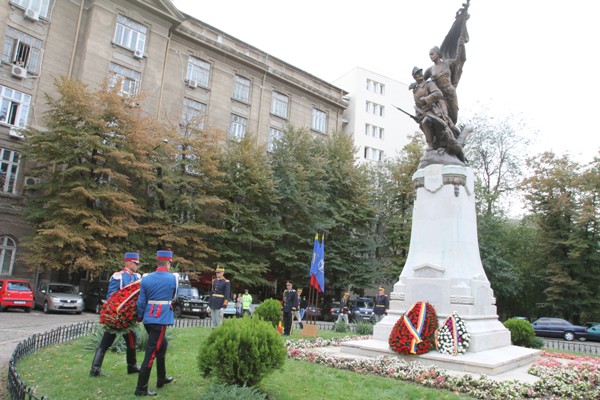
(184, 67)
(379, 129)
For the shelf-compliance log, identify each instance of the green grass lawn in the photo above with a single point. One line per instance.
(62, 372)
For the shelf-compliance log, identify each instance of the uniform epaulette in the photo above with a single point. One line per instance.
(117, 275)
(226, 280)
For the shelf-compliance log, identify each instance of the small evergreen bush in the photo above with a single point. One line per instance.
(536, 343)
(232, 392)
(364, 328)
(269, 310)
(241, 352)
(341, 326)
(521, 331)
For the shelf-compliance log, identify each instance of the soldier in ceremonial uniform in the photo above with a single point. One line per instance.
(117, 281)
(344, 309)
(290, 303)
(382, 304)
(221, 291)
(157, 291)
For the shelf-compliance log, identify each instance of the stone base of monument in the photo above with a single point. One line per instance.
(488, 362)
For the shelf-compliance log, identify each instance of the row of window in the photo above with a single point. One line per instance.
(374, 131)
(375, 109)
(375, 87)
(373, 154)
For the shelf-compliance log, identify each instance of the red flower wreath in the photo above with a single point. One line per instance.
(119, 313)
(414, 333)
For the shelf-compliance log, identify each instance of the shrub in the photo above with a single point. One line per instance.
(269, 310)
(536, 343)
(241, 352)
(521, 331)
(341, 326)
(364, 328)
(232, 392)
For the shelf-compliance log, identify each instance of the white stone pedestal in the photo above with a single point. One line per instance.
(444, 267)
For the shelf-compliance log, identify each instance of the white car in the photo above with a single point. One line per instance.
(60, 297)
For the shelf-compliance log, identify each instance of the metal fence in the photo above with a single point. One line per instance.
(17, 388)
(572, 347)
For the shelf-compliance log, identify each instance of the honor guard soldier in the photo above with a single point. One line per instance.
(221, 291)
(157, 292)
(117, 282)
(290, 303)
(382, 304)
(344, 309)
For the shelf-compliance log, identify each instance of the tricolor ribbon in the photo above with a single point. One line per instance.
(450, 324)
(415, 332)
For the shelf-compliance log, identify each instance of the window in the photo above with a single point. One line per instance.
(275, 135)
(9, 169)
(8, 252)
(40, 7)
(375, 109)
(194, 113)
(373, 154)
(129, 79)
(14, 107)
(237, 130)
(375, 87)
(374, 131)
(22, 50)
(130, 34)
(319, 119)
(198, 71)
(241, 89)
(279, 105)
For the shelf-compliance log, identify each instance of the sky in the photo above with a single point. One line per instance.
(524, 57)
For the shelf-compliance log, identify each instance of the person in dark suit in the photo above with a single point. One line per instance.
(290, 303)
(219, 298)
(382, 304)
(157, 292)
(117, 282)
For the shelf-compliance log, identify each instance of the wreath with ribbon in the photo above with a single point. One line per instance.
(119, 313)
(452, 337)
(414, 333)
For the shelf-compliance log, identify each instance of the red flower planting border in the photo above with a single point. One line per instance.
(414, 333)
(119, 313)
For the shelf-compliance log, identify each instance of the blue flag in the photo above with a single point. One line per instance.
(317, 267)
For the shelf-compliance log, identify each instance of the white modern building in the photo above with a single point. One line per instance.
(380, 130)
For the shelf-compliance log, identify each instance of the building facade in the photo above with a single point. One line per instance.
(184, 68)
(379, 129)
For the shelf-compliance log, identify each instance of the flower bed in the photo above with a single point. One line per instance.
(578, 379)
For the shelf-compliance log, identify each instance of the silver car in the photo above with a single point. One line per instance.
(54, 296)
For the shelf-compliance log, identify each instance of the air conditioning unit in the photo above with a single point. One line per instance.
(18, 72)
(30, 181)
(32, 14)
(138, 54)
(192, 84)
(14, 133)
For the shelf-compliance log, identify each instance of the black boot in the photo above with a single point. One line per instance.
(142, 384)
(132, 367)
(161, 373)
(97, 363)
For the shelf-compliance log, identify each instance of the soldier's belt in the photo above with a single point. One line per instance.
(218, 295)
(379, 305)
(164, 302)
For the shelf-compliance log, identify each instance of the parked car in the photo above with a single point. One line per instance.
(590, 324)
(230, 310)
(594, 332)
(189, 302)
(334, 311)
(312, 312)
(361, 309)
(54, 296)
(94, 298)
(558, 327)
(16, 293)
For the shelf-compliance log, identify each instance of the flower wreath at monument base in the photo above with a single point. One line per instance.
(119, 313)
(452, 337)
(414, 333)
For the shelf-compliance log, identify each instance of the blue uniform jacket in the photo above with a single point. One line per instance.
(120, 279)
(221, 291)
(382, 303)
(157, 290)
(290, 300)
